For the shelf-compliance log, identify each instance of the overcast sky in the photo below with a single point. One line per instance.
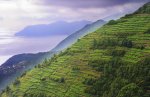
(17, 14)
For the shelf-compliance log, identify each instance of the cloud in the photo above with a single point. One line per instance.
(1, 18)
(17, 14)
(86, 3)
(17, 45)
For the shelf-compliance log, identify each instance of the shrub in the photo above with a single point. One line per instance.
(104, 43)
(55, 79)
(116, 85)
(89, 81)
(130, 90)
(95, 44)
(119, 53)
(17, 82)
(62, 80)
(145, 61)
(43, 79)
(108, 42)
(110, 69)
(7, 89)
(75, 68)
(128, 15)
(127, 43)
(124, 34)
(34, 95)
(147, 32)
(98, 64)
(140, 47)
(23, 74)
(112, 22)
(39, 66)
(90, 90)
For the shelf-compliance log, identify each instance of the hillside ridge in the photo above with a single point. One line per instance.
(18, 64)
(113, 61)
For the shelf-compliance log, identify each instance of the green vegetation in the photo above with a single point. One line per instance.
(114, 61)
(112, 22)
(127, 43)
(147, 32)
(144, 10)
(17, 82)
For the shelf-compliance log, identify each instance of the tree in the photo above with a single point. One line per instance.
(117, 52)
(89, 81)
(116, 85)
(127, 43)
(130, 90)
(94, 44)
(62, 80)
(8, 89)
(112, 22)
(147, 31)
(17, 82)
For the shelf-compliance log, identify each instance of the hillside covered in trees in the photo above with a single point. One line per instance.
(113, 61)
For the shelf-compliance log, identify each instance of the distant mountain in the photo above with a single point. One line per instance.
(18, 64)
(113, 61)
(77, 35)
(56, 28)
(22, 57)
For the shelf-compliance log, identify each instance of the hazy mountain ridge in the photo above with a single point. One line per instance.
(113, 61)
(56, 28)
(18, 64)
(22, 62)
(21, 57)
(67, 42)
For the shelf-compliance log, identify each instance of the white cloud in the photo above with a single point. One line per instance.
(16, 14)
(12, 15)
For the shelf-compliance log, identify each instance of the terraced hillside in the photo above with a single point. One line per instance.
(114, 61)
(18, 64)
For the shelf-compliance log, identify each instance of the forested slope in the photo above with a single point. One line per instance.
(114, 61)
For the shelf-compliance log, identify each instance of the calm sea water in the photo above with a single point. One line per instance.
(10, 46)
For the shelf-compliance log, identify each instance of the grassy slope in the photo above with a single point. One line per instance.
(64, 74)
